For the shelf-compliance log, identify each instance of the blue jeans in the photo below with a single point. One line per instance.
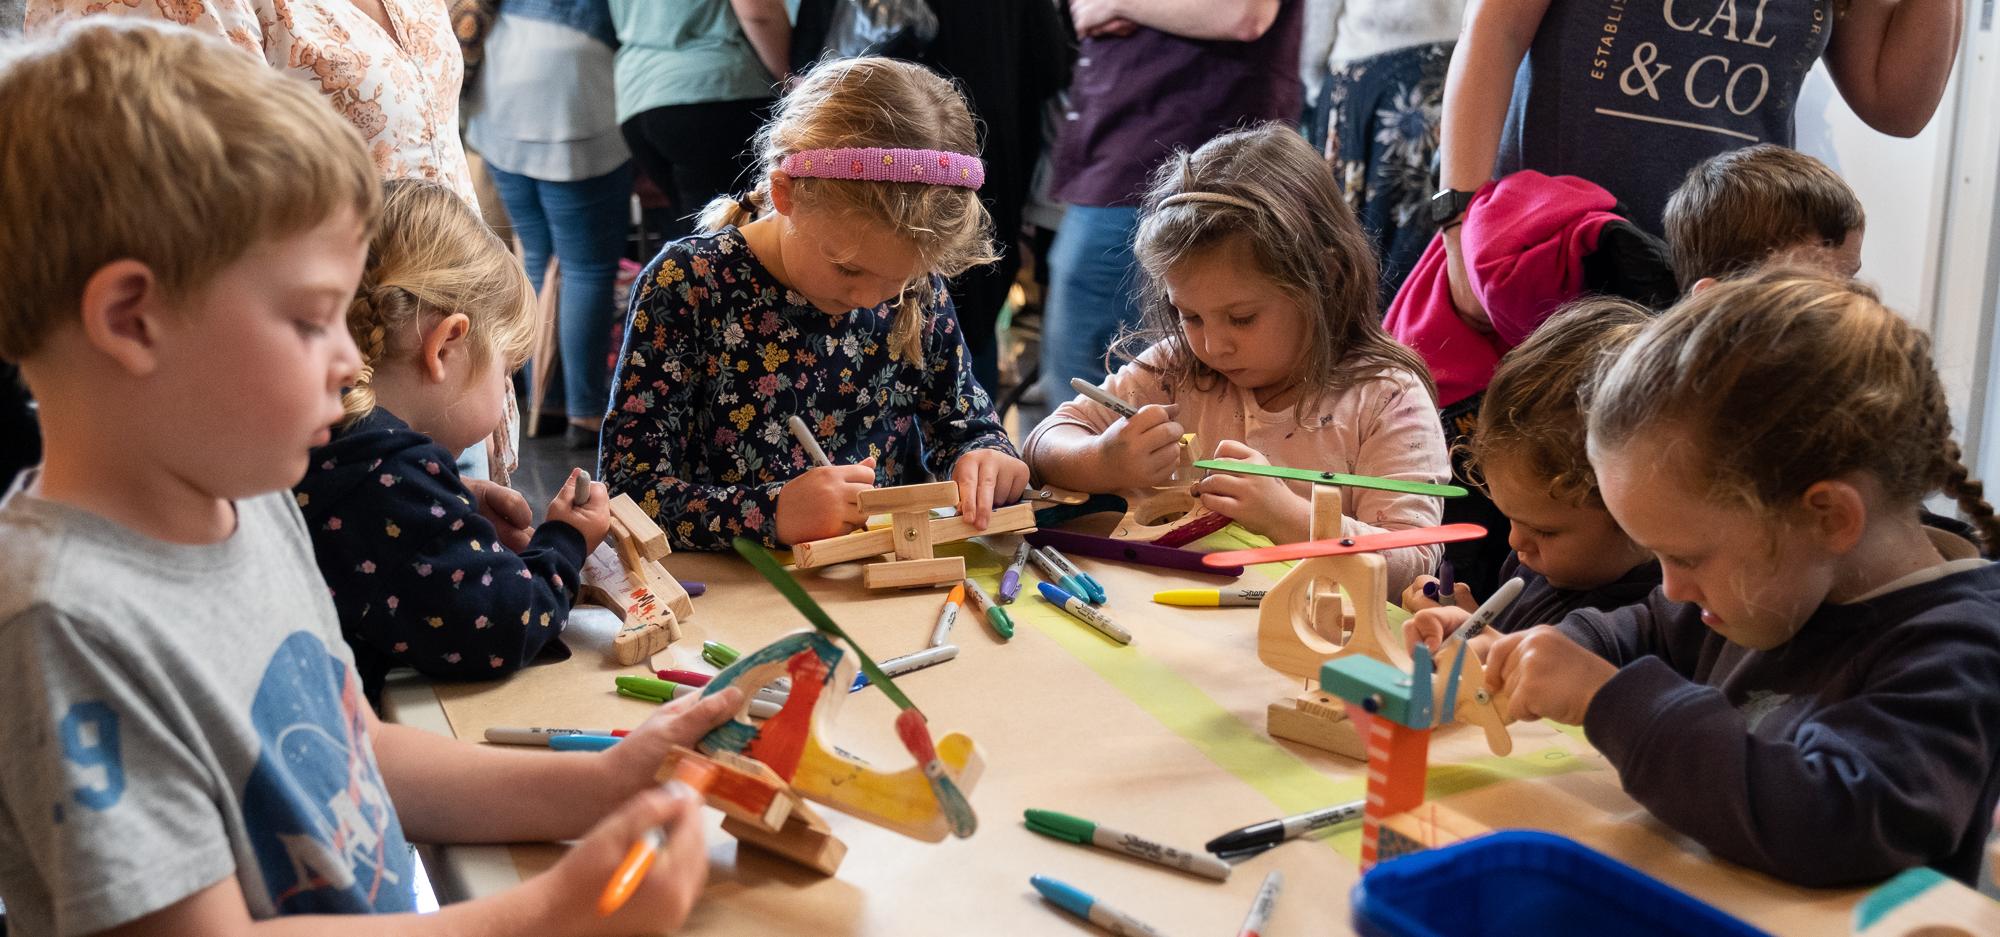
(583, 223)
(1093, 292)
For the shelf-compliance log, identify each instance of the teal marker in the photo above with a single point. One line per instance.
(1054, 574)
(1083, 832)
(995, 615)
(1071, 899)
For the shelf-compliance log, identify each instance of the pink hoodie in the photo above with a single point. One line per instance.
(1525, 239)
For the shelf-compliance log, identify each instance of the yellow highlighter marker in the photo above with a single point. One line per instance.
(1209, 598)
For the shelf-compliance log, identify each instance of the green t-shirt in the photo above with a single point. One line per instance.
(683, 52)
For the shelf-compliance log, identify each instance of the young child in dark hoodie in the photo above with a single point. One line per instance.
(1528, 454)
(429, 570)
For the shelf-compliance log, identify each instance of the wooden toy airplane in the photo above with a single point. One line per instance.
(1300, 626)
(911, 535)
(624, 575)
(769, 770)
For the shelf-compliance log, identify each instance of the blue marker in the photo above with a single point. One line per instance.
(1090, 909)
(899, 666)
(1084, 613)
(582, 743)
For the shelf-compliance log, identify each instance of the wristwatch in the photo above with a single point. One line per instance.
(1449, 205)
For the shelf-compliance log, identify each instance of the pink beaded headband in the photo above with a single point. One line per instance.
(876, 164)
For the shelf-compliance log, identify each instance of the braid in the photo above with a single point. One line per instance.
(368, 324)
(1947, 468)
(1970, 495)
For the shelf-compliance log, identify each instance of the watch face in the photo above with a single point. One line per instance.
(1447, 205)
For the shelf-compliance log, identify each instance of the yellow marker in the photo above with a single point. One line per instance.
(1209, 598)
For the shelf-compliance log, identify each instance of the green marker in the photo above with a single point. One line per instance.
(661, 690)
(1331, 478)
(718, 654)
(1077, 830)
(995, 615)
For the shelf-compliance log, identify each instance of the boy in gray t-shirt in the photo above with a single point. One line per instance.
(186, 746)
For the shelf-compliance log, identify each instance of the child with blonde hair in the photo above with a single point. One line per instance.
(829, 306)
(1814, 691)
(1263, 337)
(430, 570)
(188, 751)
(1528, 453)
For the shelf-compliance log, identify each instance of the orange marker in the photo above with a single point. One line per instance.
(696, 773)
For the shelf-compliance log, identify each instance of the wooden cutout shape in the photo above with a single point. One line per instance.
(1169, 515)
(621, 576)
(912, 535)
(791, 743)
(1471, 703)
(744, 789)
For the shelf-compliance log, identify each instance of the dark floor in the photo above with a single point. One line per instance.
(545, 462)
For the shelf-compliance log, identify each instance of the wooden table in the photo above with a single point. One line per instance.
(1163, 738)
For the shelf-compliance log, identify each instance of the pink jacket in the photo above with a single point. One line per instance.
(1525, 239)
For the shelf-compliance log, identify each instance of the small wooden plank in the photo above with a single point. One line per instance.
(744, 789)
(1285, 719)
(1325, 523)
(913, 534)
(635, 644)
(640, 528)
(805, 839)
(906, 574)
(668, 589)
(865, 544)
(908, 498)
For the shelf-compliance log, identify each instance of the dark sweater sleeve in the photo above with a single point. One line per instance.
(1884, 780)
(957, 413)
(650, 444)
(421, 578)
(1623, 635)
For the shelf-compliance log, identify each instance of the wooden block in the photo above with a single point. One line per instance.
(668, 589)
(908, 498)
(912, 530)
(1285, 719)
(805, 839)
(908, 574)
(1013, 518)
(635, 644)
(863, 544)
(744, 789)
(640, 528)
(1325, 523)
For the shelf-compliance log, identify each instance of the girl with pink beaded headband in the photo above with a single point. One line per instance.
(819, 295)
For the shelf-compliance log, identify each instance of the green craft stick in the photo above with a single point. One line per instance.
(796, 594)
(1331, 478)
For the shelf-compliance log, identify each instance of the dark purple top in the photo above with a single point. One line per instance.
(1137, 98)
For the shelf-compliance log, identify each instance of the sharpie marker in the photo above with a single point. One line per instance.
(1077, 830)
(1262, 905)
(1258, 836)
(908, 662)
(1003, 625)
(1103, 396)
(804, 435)
(947, 617)
(582, 743)
(685, 677)
(1090, 909)
(1053, 571)
(1488, 610)
(1209, 598)
(1095, 591)
(1084, 613)
(719, 654)
(1010, 581)
(538, 735)
(763, 706)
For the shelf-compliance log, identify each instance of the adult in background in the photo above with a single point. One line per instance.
(1151, 76)
(543, 115)
(1375, 71)
(1632, 95)
(695, 78)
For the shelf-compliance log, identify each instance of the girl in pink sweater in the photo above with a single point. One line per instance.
(1262, 337)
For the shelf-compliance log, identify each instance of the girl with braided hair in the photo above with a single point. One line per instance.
(429, 570)
(1814, 691)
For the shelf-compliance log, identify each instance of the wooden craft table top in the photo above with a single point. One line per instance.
(1164, 738)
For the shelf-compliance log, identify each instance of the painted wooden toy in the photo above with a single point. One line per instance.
(770, 769)
(1925, 903)
(1302, 623)
(624, 575)
(912, 535)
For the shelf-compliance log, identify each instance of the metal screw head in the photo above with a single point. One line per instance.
(1347, 541)
(909, 534)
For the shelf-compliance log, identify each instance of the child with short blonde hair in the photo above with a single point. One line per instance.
(829, 306)
(188, 751)
(1528, 453)
(1814, 692)
(1263, 337)
(427, 569)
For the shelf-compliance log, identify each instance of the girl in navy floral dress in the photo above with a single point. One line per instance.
(830, 306)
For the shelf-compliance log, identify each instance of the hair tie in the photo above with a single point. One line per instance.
(743, 202)
(1216, 197)
(876, 164)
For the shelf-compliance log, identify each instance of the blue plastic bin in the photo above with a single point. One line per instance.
(1522, 882)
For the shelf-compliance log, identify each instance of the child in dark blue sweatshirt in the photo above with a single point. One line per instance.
(1814, 692)
(426, 569)
(1528, 450)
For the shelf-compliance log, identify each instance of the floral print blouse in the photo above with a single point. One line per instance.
(400, 90)
(718, 354)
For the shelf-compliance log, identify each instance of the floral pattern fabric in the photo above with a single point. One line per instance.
(1380, 116)
(400, 90)
(718, 354)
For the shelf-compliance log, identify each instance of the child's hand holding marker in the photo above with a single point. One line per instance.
(1431, 626)
(662, 896)
(1143, 449)
(1545, 675)
(821, 503)
(591, 517)
(1423, 593)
